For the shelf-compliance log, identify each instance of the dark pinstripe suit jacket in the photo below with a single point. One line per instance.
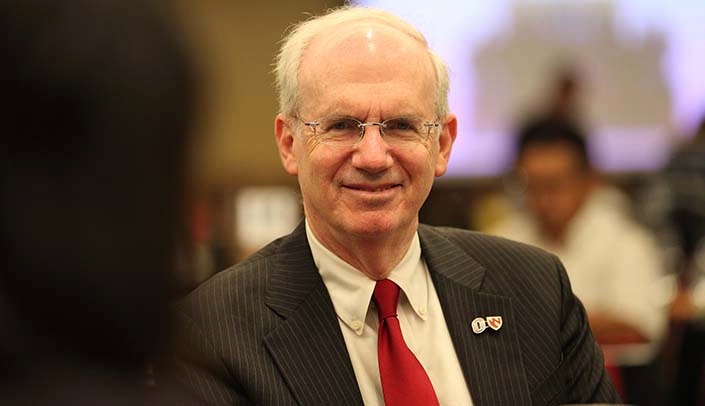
(265, 332)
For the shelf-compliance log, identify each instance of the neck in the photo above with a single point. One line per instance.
(374, 256)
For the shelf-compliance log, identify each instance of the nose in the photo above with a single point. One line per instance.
(371, 154)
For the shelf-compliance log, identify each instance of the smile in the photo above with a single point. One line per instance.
(372, 188)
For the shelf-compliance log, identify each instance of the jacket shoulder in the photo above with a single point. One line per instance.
(229, 285)
(488, 249)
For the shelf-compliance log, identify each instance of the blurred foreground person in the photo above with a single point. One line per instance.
(613, 263)
(361, 304)
(98, 98)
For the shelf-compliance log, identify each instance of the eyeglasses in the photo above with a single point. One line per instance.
(348, 132)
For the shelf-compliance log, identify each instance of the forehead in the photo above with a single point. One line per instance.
(344, 68)
(549, 158)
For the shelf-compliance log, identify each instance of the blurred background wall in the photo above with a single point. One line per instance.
(235, 43)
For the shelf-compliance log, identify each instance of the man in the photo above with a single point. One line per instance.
(613, 262)
(364, 125)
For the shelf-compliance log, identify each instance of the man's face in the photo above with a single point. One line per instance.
(371, 190)
(556, 185)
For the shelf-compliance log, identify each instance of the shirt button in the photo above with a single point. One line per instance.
(356, 325)
(422, 310)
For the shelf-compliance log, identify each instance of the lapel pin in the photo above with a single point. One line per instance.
(479, 325)
(494, 322)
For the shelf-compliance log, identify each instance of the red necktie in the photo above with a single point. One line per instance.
(404, 381)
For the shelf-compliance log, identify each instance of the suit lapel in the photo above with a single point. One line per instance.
(308, 346)
(491, 361)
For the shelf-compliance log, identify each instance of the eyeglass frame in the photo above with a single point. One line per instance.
(362, 125)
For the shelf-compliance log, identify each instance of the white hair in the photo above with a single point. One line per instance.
(295, 43)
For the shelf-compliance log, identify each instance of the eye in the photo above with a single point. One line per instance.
(342, 125)
(400, 124)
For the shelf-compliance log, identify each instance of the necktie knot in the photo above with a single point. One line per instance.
(386, 296)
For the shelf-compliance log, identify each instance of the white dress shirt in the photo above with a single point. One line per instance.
(420, 316)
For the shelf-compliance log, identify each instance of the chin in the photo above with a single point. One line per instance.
(375, 225)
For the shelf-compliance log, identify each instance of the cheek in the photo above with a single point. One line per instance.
(423, 157)
(573, 202)
(321, 165)
(560, 206)
(420, 167)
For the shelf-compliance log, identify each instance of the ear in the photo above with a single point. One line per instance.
(449, 130)
(285, 143)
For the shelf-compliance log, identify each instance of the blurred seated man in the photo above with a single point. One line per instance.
(613, 263)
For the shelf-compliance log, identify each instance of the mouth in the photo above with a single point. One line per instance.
(372, 188)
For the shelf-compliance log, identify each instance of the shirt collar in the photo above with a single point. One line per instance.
(351, 290)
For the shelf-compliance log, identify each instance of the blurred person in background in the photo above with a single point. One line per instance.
(563, 102)
(682, 210)
(99, 97)
(674, 204)
(361, 304)
(566, 207)
(614, 263)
